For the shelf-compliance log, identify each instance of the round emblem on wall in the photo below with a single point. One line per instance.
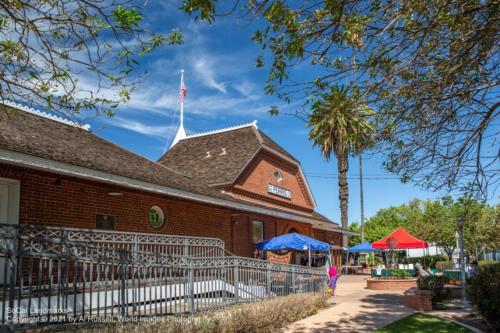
(156, 218)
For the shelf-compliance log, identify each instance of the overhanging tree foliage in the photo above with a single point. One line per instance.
(73, 55)
(429, 67)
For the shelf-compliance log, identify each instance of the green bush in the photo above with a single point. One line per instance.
(443, 265)
(399, 273)
(487, 262)
(483, 290)
(434, 284)
(375, 261)
(427, 261)
(263, 316)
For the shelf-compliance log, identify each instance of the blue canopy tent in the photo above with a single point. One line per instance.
(364, 247)
(294, 241)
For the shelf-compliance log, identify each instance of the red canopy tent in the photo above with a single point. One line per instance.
(399, 239)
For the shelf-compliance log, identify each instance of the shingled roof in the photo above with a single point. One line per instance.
(219, 157)
(43, 137)
(62, 141)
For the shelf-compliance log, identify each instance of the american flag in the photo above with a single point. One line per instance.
(182, 92)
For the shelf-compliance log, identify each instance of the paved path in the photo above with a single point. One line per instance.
(354, 309)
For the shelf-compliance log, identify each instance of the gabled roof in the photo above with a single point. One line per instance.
(215, 157)
(38, 140)
(218, 157)
(41, 136)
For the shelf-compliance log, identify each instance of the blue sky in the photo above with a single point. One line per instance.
(225, 89)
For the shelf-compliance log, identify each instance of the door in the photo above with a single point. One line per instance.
(9, 213)
(241, 239)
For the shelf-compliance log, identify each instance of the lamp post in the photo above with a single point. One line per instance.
(460, 228)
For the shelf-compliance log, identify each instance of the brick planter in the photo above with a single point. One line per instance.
(391, 284)
(420, 300)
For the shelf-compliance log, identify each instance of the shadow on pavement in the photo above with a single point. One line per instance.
(376, 310)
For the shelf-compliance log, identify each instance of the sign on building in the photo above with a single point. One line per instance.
(282, 192)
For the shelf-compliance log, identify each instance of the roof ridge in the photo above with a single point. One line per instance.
(44, 114)
(221, 130)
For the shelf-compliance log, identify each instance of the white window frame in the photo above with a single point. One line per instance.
(14, 187)
(261, 231)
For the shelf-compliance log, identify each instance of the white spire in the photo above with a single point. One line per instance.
(181, 133)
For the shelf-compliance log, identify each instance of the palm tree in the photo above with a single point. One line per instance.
(339, 124)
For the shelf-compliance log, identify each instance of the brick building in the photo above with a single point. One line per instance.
(235, 184)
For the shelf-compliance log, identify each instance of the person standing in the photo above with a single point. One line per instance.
(332, 283)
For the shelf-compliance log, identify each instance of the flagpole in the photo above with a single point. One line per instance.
(181, 133)
(182, 101)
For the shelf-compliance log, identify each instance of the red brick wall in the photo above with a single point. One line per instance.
(72, 202)
(391, 284)
(52, 199)
(253, 183)
(420, 300)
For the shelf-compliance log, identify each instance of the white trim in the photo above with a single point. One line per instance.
(280, 155)
(262, 229)
(221, 130)
(44, 114)
(307, 186)
(14, 199)
(16, 158)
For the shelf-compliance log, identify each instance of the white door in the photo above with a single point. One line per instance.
(9, 211)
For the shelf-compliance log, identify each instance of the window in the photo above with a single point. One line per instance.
(156, 218)
(105, 222)
(257, 232)
(277, 174)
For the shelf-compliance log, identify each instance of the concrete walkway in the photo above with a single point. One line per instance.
(354, 309)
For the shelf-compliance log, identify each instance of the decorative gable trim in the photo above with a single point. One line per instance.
(44, 114)
(222, 130)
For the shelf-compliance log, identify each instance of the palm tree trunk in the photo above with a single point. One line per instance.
(342, 166)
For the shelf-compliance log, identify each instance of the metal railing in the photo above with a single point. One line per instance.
(33, 235)
(52, 275)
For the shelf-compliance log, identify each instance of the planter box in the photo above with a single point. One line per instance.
(420, 300)
(391, 284)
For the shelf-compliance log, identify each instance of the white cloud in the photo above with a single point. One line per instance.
(161, 131)
(161, 99)
(150, 99)
(217, 105)
(247, 89)
(204, 69)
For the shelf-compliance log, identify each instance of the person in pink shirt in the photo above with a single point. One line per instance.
(332, 274)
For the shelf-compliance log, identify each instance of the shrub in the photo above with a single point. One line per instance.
(375, 261)
(399, 273)
(434, 284)
(262, 316)
(443, 265)
(427, 261)
(483, 290)
(487, 262)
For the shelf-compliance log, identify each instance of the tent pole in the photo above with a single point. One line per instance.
(309, 261)
(346, 262)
